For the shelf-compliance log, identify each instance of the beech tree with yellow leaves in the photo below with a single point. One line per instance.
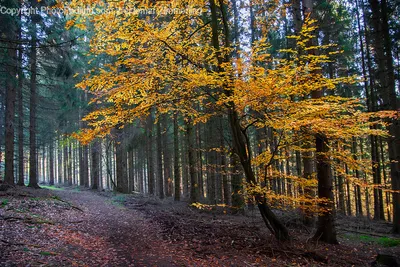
(176, 62)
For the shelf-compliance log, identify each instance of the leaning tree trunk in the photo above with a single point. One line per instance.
(240, 140)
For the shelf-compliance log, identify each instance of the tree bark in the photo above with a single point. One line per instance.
(326, 229)
(51, 162)
(194, 187)
(177, 175)
(21, 178)
(11, 87)
(149, 152)
(159, 161)
(95, 173)
(33, 180)
(121, 161)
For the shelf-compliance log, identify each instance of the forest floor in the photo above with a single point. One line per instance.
(77, 227)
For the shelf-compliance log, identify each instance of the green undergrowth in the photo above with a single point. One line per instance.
(52, 187)
(117, 200)
(3, 202)
(384, 241)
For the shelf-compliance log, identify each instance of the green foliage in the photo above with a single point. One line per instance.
(119, 198)
(56, 198)
(389, 242)
(47, 253)
(3, 202)
(52, 187)
(383, 241)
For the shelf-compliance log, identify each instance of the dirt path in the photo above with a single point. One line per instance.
(131, 239)
(68, 227)
(79, 228)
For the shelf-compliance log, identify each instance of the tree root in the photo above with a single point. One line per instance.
(26, 220)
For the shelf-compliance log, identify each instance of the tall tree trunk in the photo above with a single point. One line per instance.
(326, 229)
(394, 129)
(211, 162)
(359, 208)
(341, 206)
(194, 186)
(177, 175)
(325, 226)
(200, 159)
(149, 152)
(21, 178)
(159, 161)
(167, 158)
(236, 182)
(85, 166)
(59, 161)
(121, 161)
(51, 162)
(95, 170)
(11, 84)
(81, 168)
(33, 180)
(225, 187)
(69, 163)
(384, 60)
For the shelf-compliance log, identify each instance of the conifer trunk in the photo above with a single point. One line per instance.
(33, 180)
(177, 176)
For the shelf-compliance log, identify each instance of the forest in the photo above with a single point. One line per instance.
(204, 114)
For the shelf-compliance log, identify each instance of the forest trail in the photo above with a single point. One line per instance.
(80, 227)
(131, 239)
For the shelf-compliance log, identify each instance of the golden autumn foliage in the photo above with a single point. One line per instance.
(167, 62)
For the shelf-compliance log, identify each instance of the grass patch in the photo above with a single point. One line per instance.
(47, 253)
(389, 242)
(51, 187)
(3, 202)
(117, 200)
(383, 241)
(56, 198)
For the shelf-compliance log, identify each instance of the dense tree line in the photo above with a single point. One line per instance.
(190, 147)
